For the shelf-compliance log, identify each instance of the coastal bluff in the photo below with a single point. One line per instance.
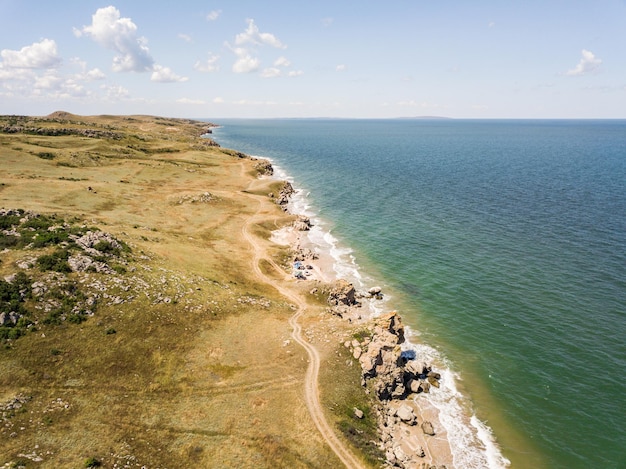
(149, 320)
(135, 331)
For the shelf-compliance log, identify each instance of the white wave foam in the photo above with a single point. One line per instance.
(471, 442)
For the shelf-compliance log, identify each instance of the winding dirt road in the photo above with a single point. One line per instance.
(311, 379)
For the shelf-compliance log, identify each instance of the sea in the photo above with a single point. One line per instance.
(502, 244)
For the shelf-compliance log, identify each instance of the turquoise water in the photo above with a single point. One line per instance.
(504, 245)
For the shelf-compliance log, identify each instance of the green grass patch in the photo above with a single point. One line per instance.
(342, 393)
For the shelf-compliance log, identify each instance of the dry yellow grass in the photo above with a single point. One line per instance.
(208, 380)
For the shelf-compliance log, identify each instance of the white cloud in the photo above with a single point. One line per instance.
(326, 22)
(246, 102)
(48, 81)
(40, 55)
(115, 92)
(119, 34)
(209, 65)
(295, 73)
(190, 101)
(271, 72)
(588, 63)
(340, 67)
(282, 62)
(244, 49)
(95, 74)
(185, 37)
(23, 74)
(213, 15)
(218, 100)
(252, 35)
(245, 63)
(165, 75)
(86, 75)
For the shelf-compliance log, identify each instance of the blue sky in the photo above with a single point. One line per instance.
(398, 58)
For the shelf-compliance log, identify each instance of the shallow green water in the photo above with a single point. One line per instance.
(504, 244)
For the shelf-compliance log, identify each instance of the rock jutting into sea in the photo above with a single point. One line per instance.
(393, 376)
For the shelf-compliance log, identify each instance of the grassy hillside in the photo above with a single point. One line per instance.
(139, 336)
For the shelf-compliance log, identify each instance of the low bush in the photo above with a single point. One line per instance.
(92, 462)
(57, 261)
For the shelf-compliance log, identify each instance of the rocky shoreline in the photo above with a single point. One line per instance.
(389, 373)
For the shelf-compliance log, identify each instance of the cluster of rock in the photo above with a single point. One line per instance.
(343, 299)
(204, 143)
(82, 263)
(89, 240)
(203, 198)
(302, 223)
(52, 291)
(393, 374)
(284, 193)
(264, 167)
(53, 131)
(10, 317)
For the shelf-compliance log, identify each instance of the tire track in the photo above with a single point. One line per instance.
(311, 388)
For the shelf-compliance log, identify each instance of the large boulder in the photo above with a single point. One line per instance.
(428, 428)
(406, 414)
(303, 223)
(284, 193)
(9, 318)
(342, 292)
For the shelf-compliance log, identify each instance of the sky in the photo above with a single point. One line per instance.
(328, 58)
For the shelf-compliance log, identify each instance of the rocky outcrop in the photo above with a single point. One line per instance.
(54, 132)
(303, 223)
(304, 254)
(80, 263)
(264, 167)
(92, 242)
(9, 318)
(284, 193)
(392, 375)
(381, 360)
(342, 292)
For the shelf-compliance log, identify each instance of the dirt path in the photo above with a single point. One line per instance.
(311, 379)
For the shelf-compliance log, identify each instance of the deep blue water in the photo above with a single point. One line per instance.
(504, 242)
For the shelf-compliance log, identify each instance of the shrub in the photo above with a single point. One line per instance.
(41, 222)
(8, 241)
(92, 462)
(50, 238)
(53, 318)
(12, 294)
(46, 155)
(76, 318)
(10, 333)
(23, 323)
(7, 221)
(22, 282)
(57, 262)
(106, 247)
